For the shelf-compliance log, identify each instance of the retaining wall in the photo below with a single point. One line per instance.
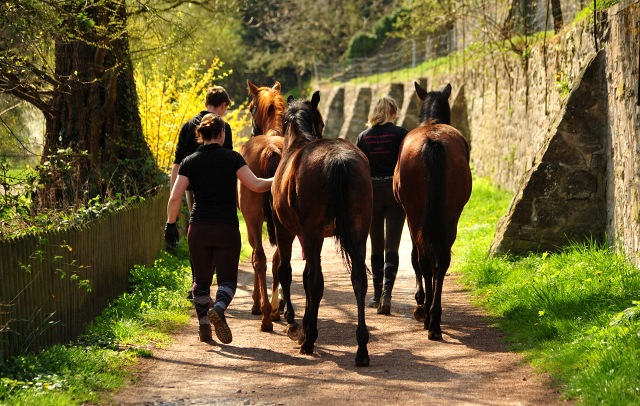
(517, 112)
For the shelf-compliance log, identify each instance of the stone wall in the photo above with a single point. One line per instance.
(517, 113)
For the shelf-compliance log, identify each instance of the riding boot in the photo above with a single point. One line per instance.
(377, 269)
(390, 272)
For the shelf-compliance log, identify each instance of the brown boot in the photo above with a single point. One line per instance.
(204, 332)
(223, 332)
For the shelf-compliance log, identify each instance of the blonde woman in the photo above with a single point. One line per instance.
(380, 143)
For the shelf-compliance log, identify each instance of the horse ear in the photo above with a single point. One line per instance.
(422, 94)
(276, 87)
(315, 100)
(253, 89)
(447, 91)
(290, 100)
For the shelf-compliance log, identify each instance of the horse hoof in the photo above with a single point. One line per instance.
(266, 327)
(255, 309)
(275, 316)
(301, 339)
(419, 313)
(306, 350)
(362, 358)
(362, 362)
(294, 332)
(434, 335)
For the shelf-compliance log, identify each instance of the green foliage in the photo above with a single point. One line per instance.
(367, 42)
(573, 314)
(587, 12)
(19, 213)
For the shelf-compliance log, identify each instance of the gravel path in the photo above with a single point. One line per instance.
(470, 366)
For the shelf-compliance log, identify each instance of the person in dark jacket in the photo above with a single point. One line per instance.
(381, 143)
(216, 101)
(214, 236)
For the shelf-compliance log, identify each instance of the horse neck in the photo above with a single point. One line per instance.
(272, 125)
(294, 140)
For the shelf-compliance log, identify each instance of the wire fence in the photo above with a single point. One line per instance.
(412, 58)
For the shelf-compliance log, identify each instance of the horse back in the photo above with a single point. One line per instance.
(263, 154)
(306, 178)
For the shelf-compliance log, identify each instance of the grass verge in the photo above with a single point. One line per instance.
(100, 361)
(574, 314)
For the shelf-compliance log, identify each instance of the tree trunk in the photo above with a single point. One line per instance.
(556, 11)
(96, 111)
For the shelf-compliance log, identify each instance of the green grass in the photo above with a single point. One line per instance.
(100, 361)
(573, 314)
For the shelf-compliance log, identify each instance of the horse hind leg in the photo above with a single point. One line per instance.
(277, 302)
(435, 313)
(261, 303)
(419, 312)
(359, 282)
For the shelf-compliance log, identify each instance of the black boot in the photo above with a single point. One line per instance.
(390, 272)
(377, 269)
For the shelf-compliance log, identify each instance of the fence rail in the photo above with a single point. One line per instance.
(36, 271)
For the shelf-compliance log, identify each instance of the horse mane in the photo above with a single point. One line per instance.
(435, 109)
(299, 118)
(268, 97)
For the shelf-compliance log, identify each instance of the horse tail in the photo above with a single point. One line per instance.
(269, 161)
(339, 173)
(433, 224)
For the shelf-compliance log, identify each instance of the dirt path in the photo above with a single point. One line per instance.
(471, 366)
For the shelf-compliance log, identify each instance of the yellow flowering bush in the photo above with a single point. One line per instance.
(168, 101)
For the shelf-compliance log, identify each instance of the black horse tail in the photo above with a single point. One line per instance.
(269, 161)
(339, 172)
(434, 232)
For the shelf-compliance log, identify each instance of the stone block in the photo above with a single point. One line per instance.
(579, 184)
(335, 116)
(548, 215)
(544, 179)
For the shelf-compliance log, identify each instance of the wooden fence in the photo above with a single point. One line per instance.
(36, 271)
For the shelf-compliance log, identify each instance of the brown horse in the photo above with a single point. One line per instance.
(322, 188)
(432, 181)
(262, 153)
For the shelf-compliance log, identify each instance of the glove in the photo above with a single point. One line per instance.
(171, 234)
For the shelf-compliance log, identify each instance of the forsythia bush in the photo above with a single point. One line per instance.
(166, 102)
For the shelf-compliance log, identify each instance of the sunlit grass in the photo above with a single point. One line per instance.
(132, 326)
(573, 314)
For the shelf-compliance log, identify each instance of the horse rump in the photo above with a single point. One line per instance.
(339, 170)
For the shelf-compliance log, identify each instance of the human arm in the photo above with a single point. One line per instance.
(175, 201)
(251, 181)
(174, 175)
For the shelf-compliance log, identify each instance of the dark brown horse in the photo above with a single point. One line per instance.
(322, 188)
(262, 153)
(432, 181)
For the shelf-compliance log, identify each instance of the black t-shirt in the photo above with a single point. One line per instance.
(381, 144)
(187, 143)
(212, 174)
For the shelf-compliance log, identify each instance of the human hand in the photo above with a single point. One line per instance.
(171, 234)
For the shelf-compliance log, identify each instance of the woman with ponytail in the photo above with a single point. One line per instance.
(214, 235)
(381, 143)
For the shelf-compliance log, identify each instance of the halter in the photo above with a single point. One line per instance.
(255, 130)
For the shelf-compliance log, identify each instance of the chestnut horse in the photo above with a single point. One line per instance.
(262, 153)
(322, 188)
(432, 181)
